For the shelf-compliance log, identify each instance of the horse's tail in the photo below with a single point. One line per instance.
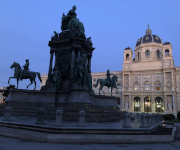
(97, 83)
(39, 76)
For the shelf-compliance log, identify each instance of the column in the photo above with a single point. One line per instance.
(165, 103)
(142, 103)
(130, 103)
(72, 64)
(50, 65)
(153, 104)
(172, 76)
(129, 88)
(164, 82)
(89, 63)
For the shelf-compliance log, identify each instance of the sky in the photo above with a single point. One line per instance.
(26, 27)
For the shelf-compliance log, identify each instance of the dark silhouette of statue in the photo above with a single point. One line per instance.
(56, 77)
(108, 76)
(26, 68)
(70, 22)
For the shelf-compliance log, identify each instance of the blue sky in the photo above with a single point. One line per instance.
(26, 26)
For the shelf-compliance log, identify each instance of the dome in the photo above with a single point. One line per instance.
(127, 48)
(166, 43)
(149, 37)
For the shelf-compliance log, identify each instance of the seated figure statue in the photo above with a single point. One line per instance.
(26, 69)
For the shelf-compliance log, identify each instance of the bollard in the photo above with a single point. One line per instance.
(153, 121)
(148, 119)
(59, 114)
(40, 116)
(81, 122)
(7, 114)
(143, 122)
(127, 121)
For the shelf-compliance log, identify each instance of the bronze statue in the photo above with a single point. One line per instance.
(108, 76)
(26, 69)
(56, 77)
(70, 22)
(81, 70)
(107, 82)
(26, 75)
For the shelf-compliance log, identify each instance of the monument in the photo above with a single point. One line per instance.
(69, 84)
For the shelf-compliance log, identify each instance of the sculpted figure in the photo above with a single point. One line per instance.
(26, 68)
(108, 76)
(56, 78)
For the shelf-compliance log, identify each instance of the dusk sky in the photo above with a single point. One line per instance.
(26, 27)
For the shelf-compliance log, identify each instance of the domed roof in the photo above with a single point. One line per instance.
(127, 48)
(149, 37)
(166, 43)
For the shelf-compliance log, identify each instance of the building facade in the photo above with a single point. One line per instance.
(149, 82)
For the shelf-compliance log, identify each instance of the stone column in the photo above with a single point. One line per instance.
(153, 104)
(72, 64)
(165, 103)
(142, 103)
(172, 76)
(50, 65)
(89, 63)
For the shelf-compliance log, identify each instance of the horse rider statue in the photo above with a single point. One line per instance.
(108, 76)
(56, 77)
(26, 68)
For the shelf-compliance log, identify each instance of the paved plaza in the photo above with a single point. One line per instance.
(7, 143)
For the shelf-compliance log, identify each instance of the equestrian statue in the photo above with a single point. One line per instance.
(110, 83)
(20, 74)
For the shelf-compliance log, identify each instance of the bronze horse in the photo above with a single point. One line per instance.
(104, 82)
(29, 75)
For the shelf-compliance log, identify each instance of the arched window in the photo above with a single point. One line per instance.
(147, 53)
(136, 86)
(127, 57)
(147, 86)
(147, 104)
(119, 87)
(167, 52)
(136, 104)
(158, 53)
(159, 104)
(138, 55)
(158, 85)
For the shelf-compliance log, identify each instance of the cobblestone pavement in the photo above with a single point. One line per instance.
(7, 143)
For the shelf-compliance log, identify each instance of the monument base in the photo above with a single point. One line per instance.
(97, 107)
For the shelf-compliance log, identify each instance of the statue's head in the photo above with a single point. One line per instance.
(74, 7)
(27, 60)
(107, 70)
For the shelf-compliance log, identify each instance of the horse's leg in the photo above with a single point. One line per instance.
(17, 82)
(30, 83)
(103, 90)
(10, 78)
(34, 84)
(117, 90)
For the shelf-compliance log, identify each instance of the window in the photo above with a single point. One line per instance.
(119, 87)
(167, 52)
(94, 79)
(138, 55)
(136, 86)
(147, 53)
(136, 104)
(127, 57)
(147, 104)
(158, 54)
(158, 85)
(147, 86)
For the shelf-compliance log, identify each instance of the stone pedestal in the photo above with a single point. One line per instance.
(7, 114)
(81, 122)
(40, 116)
(127, 121)
(59, 114)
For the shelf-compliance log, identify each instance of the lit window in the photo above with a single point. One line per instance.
(136, 86)
(147, 86)
(158, 85)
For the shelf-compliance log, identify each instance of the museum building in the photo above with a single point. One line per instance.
(149, 82)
